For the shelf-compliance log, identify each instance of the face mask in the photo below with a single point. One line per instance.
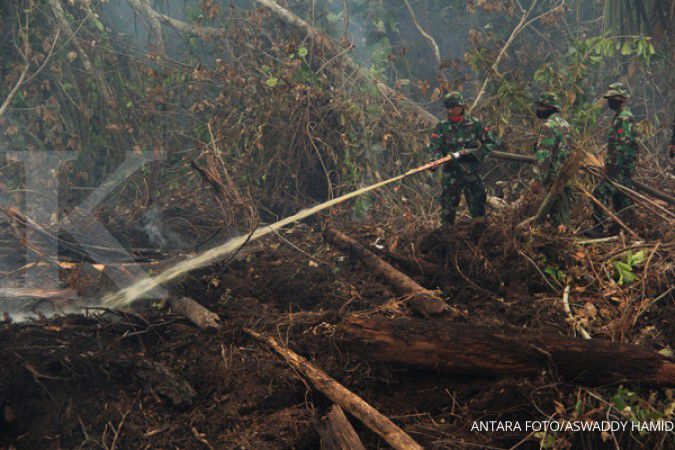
(614, 103)
(544, 113)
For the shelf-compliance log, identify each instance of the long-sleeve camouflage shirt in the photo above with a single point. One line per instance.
(552, 148)
(449, 137)
(622, 146)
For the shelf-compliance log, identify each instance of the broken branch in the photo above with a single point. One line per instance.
(342, 396)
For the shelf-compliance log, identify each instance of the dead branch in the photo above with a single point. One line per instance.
(570, 315)
(425, 35)
(25, 55)
(196, 30)
(195, 313)
(610, 213)
(522, 24)
(567, 172)
(60, 16)
(342, 396)
(654, 192)
(324, 41)
(337, 433)
(154, 22)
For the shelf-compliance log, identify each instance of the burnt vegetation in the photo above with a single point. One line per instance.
(249, 111)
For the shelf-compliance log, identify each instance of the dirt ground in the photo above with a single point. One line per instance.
(148, 378)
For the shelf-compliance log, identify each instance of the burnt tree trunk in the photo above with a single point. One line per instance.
(422, 300)
(469, 349)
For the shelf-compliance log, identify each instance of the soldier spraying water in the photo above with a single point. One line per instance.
(469, 142)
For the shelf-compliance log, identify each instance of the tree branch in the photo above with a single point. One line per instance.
(522, 24)
(427, 36)
(154, 23)
(183, 27)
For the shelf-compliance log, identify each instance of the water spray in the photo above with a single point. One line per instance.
(145, 285)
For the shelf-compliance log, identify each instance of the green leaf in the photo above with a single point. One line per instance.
(272, 82)
(541, 155)
(633, 259)
(625, 273)
(99, 25)
(302, 52)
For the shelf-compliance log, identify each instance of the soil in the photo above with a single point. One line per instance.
(150, 379)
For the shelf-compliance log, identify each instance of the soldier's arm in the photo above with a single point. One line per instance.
(437, 142)
(489, 142)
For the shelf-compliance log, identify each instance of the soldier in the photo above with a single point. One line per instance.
(470, 142)
(622, 150)
(552, 152)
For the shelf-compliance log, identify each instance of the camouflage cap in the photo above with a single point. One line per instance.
(452, 99)
(548, 100)
(617, 90)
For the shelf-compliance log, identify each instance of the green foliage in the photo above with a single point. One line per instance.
(630, 404)
(272, 82)
(624, 269)
(556, 273)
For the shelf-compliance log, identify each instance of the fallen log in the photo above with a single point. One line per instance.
(421, 266)
(195, 313)
(469, 349)
(654, 192)
(337, 433)
(38, 293)
(342, 396)
(422, 300)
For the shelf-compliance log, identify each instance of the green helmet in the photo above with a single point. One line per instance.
(548, 100)
(617, 90)
(452, 99)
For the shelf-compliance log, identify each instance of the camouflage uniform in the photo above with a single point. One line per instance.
(552, 151)
(462, 175)
(622, 149)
